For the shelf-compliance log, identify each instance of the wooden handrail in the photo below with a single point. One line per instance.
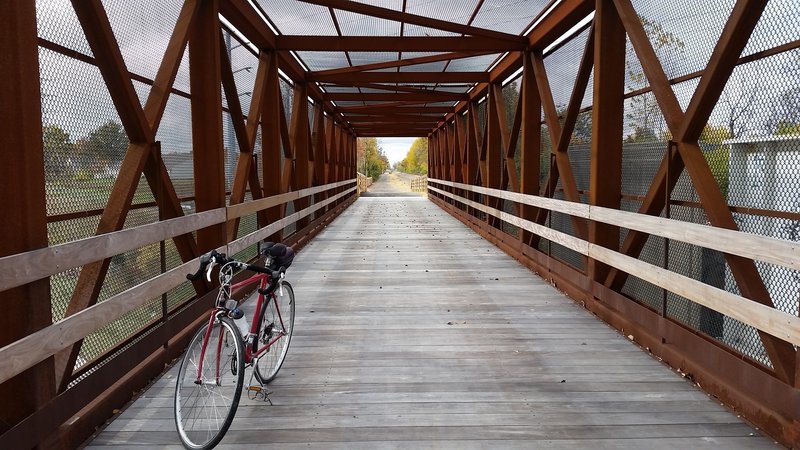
(30, 350)
(775, 251)
(419, 184)
(24, 268)
(364, 182)
(769, 320)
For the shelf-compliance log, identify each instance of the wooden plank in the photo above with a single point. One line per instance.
(263, 233)
(562, 206)
(558, 237)
(25, 267)
(38, 346)
(374, 363)
(775, 251)
(764, 318)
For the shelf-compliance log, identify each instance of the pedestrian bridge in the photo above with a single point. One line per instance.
(604, 255)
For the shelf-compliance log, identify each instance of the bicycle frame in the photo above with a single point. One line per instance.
(251, 351)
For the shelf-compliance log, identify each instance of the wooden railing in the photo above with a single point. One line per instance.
(419, 184)
(364, 182)
(108, 382)
(23, 268)
(758, 391)
(784, 253)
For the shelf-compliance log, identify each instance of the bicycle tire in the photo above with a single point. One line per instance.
(268, 365)
(197, 412)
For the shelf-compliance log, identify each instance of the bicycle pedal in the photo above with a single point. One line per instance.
(259, 393)
(259, 389)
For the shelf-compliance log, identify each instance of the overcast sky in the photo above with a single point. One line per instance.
(395, 148)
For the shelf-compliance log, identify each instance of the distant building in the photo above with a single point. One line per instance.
(765, 175)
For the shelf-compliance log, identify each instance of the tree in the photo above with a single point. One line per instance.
(108, 143)
(371, 161)
(740, 100)
(416, 160)
(787, 128)
(717, 153)
(57, 150)
(644, 114)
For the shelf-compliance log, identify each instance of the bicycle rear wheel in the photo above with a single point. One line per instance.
(277, 322)
(205, 406)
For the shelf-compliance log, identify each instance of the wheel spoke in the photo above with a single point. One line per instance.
(276, 326)
(205, 410)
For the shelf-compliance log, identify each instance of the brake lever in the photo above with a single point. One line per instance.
(208, 271)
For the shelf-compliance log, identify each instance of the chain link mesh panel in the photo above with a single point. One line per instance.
(85, 142)
(750, 145)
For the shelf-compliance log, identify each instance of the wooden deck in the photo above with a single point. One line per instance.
(413, 332)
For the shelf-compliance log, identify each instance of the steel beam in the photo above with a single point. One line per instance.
(606, 43)
(299, 130)
(782, 354)
(400, 63)
(723, 60)
(394, 44)
(401, 77)
(26, 308)
(497, 133)
(208, 155)
(556, 134)
(432, 97)
(138, 158)
(404, 17)
(530, 148)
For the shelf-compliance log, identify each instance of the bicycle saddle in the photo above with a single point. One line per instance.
(279, 255)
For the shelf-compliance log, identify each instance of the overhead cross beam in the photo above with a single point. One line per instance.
(401, 77)
(432, 97)
(404, 17)
(394, 108)
(394, 44)
(402, 62)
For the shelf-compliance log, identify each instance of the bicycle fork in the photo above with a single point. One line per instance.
(204, 347)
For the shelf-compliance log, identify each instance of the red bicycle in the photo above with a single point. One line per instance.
(211, 375)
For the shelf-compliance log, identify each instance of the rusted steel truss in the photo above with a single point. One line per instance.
(605, 58)
(472, 139)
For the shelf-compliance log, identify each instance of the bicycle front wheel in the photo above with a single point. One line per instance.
(209, 385)
(277, 323)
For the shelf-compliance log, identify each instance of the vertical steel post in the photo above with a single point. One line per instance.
(26, 308)
(208, 155)
(302, 148)
(494, 150)
(607, 122)
(530, 165)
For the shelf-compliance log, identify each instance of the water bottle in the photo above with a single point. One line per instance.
(241, 321)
